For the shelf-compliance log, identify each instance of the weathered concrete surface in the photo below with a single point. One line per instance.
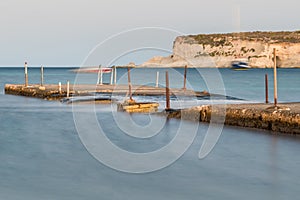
(284, 119)
(132, 106)
(51, 92)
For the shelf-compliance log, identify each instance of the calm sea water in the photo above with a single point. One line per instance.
(42, 157)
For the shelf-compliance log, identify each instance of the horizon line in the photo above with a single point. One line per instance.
(38, 66)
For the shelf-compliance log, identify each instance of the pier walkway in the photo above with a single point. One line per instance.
(56, 92)
(285, 118)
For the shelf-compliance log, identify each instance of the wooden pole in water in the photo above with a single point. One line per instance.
(167, 92)
(115, 75)
(184, 80)
(275, 78)
(68, 89)
(42, 75)
(59, 87)
(26, 74)
(157, 78)
(267, 88)
(129, 84)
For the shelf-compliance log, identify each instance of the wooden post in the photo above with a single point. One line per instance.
(68, 89)
(267, 88)
(26, 74)
(42, 75)
(157, 78)
(59, 87)
(275, 78)
(111, 76)
(167, 92)
(115, 75)
(129, 84)
(184, 79)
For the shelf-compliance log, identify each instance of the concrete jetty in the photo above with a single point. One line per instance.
(57, 92)
(285, 118)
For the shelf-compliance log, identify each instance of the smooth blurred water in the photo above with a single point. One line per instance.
(42, 157)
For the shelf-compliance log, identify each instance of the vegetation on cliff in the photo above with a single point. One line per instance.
(215, 40)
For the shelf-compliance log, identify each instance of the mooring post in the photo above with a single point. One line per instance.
(129, 84)
(111, 76)
(59, 87)
(26, 74)
(115, 75)
(167, 92)
(275, 78)
(184, 79)
(42, 75)
(267, 88)
(157, 78)
(68, 89)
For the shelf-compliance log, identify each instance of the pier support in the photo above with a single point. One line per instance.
(275, 78)
(68, 89)
(111, 76)
(115, 75)
(184, 78)
(26, 74)
(42, 75)
(157, 78)
(167, 92)
(59, 87)
(266, 88)
(100, 76)
(129, 84)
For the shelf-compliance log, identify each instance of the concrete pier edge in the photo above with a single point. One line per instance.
(285, 118)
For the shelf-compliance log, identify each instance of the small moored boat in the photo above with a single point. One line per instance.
(240, 65)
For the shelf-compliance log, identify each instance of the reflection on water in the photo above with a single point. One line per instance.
(42, 157)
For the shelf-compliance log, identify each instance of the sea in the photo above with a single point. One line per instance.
(49, 152)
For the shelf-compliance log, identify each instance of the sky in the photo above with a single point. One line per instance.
(65, 32)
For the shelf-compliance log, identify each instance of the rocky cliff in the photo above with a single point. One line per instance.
(219, 50)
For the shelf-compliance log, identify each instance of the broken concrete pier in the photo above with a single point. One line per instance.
(285, 118)
(57, 92)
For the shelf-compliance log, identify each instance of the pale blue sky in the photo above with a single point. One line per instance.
(63, 32)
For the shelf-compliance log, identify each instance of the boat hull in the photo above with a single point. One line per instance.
(237, 65)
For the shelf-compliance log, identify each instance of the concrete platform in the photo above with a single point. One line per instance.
(285, 118)
(51, 91)
(132, 106)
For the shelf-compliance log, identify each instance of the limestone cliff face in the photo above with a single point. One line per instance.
(219, 50)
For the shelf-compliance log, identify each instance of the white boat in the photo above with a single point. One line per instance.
(240, 65)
